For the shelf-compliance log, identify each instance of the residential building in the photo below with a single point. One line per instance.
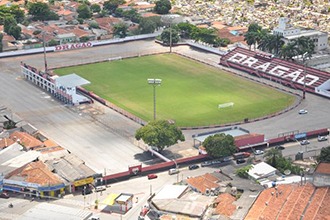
(291, 201)
(26, 140)
(321, 175)
(261, 170)
(290, 33)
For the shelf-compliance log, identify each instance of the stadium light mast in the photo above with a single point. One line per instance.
(305, 66)
(154, 83)
(44, 45)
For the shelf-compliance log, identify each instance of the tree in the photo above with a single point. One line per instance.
(13, 10)
(166, 36)
(84, 39)
(160, 134)
(304, 45)
(149, 24)
(132, 15)
(15, 31)
(219, 145)
(8, 23)
(95, 8)
(120, 30)
(162, 7)
(53, 42)
(288, 51)
(186, 29)
(84, 11)
(41, 12)
(272, 156)
(253, 35)
(112, 5)
(243, 171)
(324, 155)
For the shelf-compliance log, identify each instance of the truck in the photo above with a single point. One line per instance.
(241, 155)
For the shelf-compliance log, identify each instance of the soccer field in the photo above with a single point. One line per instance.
(189, 94)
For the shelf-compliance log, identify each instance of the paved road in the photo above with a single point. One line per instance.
(98, 135)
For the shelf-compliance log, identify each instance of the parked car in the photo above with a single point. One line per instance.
(4, 195)
(173, 171)
(279, 147)
(94, 218)
(152, 176)
(239, 161)
(259, 152)
(215, 162)
(206, 163)
(303, 111)
(193, 167)
(304, 142)
(322, 138)
(100, 188)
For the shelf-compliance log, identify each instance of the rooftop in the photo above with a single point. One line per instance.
(261, 170)
(295, 201)
(323, 168)
(204, 182)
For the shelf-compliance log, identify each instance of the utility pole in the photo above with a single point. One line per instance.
(44, 45)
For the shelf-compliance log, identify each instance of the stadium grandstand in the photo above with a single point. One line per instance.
(281, 71)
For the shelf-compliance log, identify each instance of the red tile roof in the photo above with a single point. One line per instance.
(26, 140)
(323, 168)
(37, 172)
(201, 183)
(225, 206)
(5, 142)
(291, 202)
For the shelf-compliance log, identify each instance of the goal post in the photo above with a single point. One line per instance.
(226, 105)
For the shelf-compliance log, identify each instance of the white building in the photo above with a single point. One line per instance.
(290, 33)
(261, 170)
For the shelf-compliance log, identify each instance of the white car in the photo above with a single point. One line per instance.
(322, 138)
(258, 152)
(303, 111)
(304, 142)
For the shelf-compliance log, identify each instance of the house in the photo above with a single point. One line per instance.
(225, 204)
(36, 179)
(291, 201)
(66, 38)
(261, 170)
(26, 140)
(5, 142)
(203, 184)
(321, 175)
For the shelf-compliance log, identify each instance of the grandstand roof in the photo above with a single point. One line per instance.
(291, 201)
(282, 71)
(235, 131)
(71, 80)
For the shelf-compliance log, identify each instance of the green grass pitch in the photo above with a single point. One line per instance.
(189, 94)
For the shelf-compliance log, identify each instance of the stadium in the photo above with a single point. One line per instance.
(68, 89)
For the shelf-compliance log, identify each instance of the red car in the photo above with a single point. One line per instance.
(152, 176)
(4, 195)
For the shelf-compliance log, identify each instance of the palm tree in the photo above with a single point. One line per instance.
(272, 156)
(288, 51)
(304, 45)
(278, 44)
(250, 38)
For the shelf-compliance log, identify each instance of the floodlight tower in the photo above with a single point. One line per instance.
(154, 83)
